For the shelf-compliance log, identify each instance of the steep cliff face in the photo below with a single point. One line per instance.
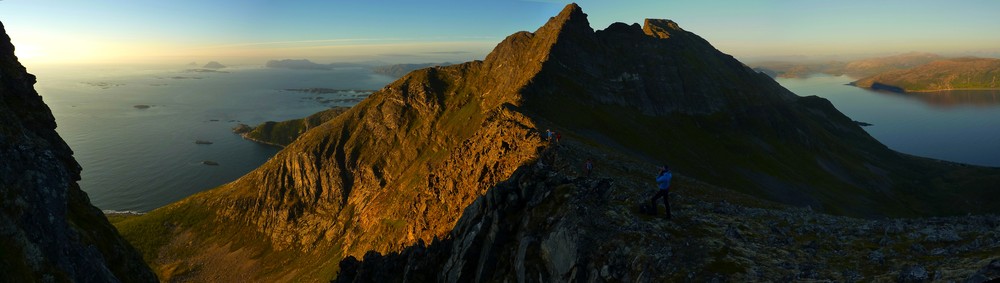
(401, 166)
(49, 231)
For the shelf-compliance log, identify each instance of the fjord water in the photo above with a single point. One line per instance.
(141, 159)
(959, 126)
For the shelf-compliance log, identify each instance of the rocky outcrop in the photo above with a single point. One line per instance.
(49, 231)
(551, 224)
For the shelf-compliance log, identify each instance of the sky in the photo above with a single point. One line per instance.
(254, 31)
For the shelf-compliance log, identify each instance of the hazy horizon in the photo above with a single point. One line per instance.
(252, 32)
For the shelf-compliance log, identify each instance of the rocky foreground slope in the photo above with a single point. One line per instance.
(402, 166)
(49, 231)
(555, 224)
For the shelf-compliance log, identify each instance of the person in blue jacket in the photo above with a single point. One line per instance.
(663, 182)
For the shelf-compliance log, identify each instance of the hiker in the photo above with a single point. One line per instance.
(548, 135)
(588, 167)
(558, 137)
(663, 182)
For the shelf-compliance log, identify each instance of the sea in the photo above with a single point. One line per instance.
(147, 136)
(959, 126)
(136, 130)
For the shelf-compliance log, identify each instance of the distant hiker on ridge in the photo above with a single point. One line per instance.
(663, 182)
(558, 137)
(588, 167)
(548, 135)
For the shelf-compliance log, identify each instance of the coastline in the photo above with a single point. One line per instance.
(933, 90)
(247, 137)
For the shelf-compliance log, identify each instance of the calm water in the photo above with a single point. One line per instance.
(141, 159)
(960, 126)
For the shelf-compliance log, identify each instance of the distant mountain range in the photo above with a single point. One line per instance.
(304, 64)
(394, 70)
(399, 70)
(857, 68)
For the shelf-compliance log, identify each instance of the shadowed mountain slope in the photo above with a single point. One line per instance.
(49, 231)
(402, 165)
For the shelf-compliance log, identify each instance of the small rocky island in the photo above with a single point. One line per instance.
(202, 142)
(214, 65)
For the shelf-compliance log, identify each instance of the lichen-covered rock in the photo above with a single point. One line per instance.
(49, 231)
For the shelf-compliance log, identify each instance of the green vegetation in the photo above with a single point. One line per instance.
(951, 74)
(285, 132)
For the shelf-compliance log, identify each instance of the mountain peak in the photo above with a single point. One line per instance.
(571, 11)
(660, 28)
(570, 18)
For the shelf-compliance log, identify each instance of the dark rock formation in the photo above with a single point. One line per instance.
(49, 231)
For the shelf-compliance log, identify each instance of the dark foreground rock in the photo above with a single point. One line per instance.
(550, 224)
(49, 231)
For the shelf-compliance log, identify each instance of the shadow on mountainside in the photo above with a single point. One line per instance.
(550, 223)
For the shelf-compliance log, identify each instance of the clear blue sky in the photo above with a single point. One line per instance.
(252, 31)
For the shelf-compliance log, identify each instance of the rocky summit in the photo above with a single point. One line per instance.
(49, 231)
(403, 166)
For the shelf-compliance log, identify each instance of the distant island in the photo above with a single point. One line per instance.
(285, 132)
(305, 64)
(968, 73)
(399, 70)
(214, 65)
(857, 68)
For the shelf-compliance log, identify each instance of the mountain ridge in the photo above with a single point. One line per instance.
(402, 166)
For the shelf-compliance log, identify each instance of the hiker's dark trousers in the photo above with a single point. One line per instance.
(663, 194)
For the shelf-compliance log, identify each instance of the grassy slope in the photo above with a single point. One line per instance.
(285, 132)
(951, 74)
